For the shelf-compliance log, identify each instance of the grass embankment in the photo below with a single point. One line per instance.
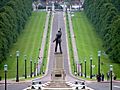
(28, 44)
(45, 57)
(88, 43)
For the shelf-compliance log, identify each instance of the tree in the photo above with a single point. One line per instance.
(104, 14)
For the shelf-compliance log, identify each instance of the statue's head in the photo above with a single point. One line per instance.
(59, 30)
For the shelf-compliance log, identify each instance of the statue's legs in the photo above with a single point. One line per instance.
(60, 47)
(56, 46)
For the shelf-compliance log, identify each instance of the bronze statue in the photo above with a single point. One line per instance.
(58, 40)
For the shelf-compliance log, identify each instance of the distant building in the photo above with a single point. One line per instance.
(75, 3)
(60, 1)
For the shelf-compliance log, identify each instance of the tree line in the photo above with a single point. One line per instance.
(13, 16)
(105, 16)
(3, 2)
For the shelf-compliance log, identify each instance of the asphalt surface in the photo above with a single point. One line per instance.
(15, 86)
(103, 86)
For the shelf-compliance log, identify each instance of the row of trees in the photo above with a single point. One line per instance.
(3, 2)
(105, 16)
(116, 4)
(13, 16)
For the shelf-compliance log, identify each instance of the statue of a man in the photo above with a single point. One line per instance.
(58, 40)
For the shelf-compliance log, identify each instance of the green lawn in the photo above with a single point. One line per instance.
(88, 43)
(28, 44)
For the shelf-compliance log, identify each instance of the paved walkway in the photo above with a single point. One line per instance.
(75, 52)
(41, 54)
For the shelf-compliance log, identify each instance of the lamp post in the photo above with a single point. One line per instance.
(31, 67)
(76, 68)
(42, 67)
(25, 66)
(91, 67)
(37, 68)
(5, 70)
(111, 69)
(17, 76)
(85, 67)
(34, 68)
(81, 69)
(99, 54)
(73, 65)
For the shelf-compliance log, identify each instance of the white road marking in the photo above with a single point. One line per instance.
(117, 86)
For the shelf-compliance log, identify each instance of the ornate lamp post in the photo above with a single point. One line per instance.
(31, 67)
(91, 67)
(99, 54)
(111, 69)
(85, 67)
(81, 69)
(76, 68)
(17, 76)
(34, 68)
(37, 69)
(25, 66)
(74, 65)
(5, 70)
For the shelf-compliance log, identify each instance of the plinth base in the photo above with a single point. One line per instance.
(58, 75)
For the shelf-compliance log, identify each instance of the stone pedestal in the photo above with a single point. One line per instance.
(58, 73)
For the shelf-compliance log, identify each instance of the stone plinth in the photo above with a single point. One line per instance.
(58, 61)
(58, 73)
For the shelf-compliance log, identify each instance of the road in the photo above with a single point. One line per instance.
(15, 86)
(103, 86)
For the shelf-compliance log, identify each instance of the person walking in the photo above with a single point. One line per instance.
(108, 75)
(58, 40)
(102, 77)
(115, 77)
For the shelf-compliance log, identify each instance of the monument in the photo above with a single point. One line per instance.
(58, 41)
